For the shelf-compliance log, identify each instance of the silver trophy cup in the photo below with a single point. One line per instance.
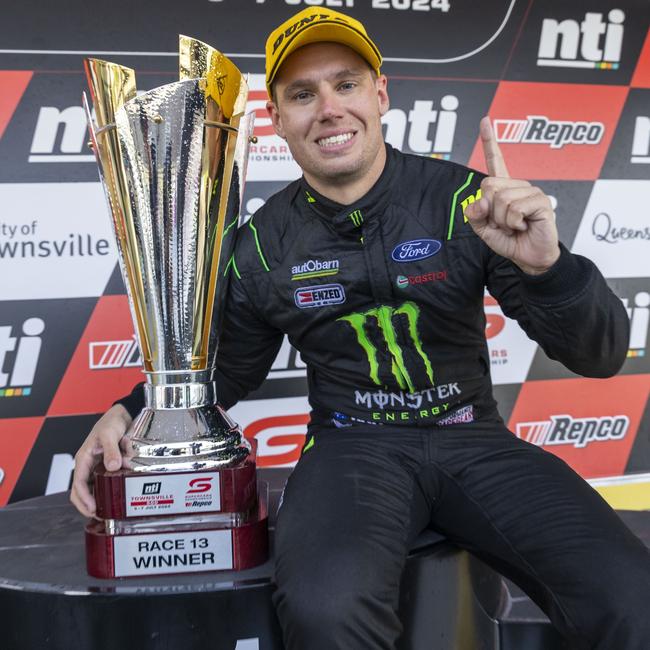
(173, 162)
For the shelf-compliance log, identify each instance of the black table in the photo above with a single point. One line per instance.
(449, 600)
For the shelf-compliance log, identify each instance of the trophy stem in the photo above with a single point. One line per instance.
(179, 395)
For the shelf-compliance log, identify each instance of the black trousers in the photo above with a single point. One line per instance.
(359, 496)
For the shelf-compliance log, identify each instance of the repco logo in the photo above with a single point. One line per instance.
(538, 129)
(578, 432)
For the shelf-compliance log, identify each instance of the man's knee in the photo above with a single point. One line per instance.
(318, 618)
(340, 603)
(616, 612)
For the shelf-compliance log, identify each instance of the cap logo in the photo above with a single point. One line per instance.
(298, 25)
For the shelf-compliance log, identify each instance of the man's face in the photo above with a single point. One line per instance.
(328, 105)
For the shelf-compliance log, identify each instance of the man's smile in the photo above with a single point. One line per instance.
(336, 140)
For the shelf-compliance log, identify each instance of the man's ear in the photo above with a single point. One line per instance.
(382, 94)
(275, 117)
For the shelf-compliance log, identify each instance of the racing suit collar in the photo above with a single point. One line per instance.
(348, 219)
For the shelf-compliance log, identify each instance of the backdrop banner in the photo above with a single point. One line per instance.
(567, 86)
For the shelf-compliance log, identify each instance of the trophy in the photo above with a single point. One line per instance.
(173, 162)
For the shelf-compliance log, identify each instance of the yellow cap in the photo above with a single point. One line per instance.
(316, 25)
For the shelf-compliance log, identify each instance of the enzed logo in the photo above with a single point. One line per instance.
(420, 119)
(18, 379)
(319, 296)
(384, 316)
(72, 143)
(570, 44)
(538, 129)
(577, 432)
(103, 355)
(151, 488)
(199, 485)
(314, 269)
(641, 141)
(416, 249)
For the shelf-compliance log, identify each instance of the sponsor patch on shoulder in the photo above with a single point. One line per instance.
(415, 249)
(319, 296)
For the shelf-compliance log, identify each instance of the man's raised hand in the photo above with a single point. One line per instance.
(512, 217)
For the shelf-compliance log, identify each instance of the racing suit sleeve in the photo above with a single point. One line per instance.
(247, 349)
(569, 310)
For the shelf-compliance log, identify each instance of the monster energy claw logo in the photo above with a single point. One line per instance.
(384, 315)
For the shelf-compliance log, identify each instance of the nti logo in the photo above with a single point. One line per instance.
(639, 314)
(151, 488)
(577, 432)
(420, 119)
(592, 43)
(538, 129)
(70, 124)
(641, 140)
(103, 355)
(18, 379)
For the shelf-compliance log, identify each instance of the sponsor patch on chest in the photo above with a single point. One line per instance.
(415, 249)
(319, 296)
(314, 269)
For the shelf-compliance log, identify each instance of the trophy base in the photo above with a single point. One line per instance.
(127, 493)
(209, 546)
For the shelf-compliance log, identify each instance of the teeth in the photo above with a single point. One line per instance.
(335, 139)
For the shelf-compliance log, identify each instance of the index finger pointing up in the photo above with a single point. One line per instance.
(496, 165)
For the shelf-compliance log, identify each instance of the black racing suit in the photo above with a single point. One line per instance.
(384, 300)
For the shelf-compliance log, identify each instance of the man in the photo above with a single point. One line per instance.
(404, 431)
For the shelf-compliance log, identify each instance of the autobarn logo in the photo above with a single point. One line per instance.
(576, 432)
(314, 269)
(319, 296)
(539, 129)
(416, 249)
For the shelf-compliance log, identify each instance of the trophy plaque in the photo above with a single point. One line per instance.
(173, 162)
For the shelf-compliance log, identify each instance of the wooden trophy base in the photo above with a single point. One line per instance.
(126, 493)
(162, 546)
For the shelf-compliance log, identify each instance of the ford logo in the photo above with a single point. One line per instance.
(416, 249)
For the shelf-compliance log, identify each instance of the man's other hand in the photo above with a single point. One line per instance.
(104, 438)
(512, 217)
